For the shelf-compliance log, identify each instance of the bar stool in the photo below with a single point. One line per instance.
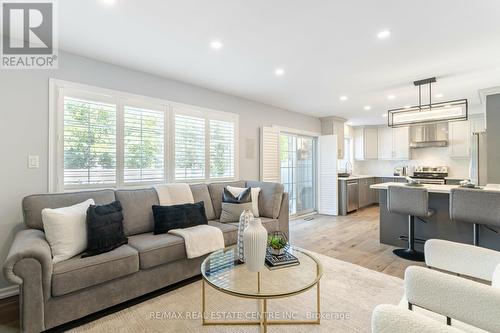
(414, 202)
(476, 206)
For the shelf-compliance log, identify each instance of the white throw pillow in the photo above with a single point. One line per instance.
(254, 194)
(66, 230)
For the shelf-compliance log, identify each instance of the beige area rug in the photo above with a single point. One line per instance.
(348, 295)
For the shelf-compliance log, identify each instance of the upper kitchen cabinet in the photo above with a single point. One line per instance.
(365, 143)
(459, 139)
(334, 125)
(385, 143)
(401, 146)
(393, 143)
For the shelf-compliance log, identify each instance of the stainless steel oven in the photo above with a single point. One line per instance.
(430, 175)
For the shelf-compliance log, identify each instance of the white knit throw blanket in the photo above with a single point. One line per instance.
(200, 240)
(174, 194)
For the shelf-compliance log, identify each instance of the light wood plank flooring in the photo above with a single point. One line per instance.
(353, 238)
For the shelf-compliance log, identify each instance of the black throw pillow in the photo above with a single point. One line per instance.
(104, 228)
(244, 197)
(178, 216)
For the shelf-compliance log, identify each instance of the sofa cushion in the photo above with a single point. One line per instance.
(231, 212)
(271, 225)
(200, 193)
(34, 204)
(216, 190)
(137, 211)
(78, 273)
(270, 198)
(104, 228)
(178, 216)
(156, 250)
(229, 230)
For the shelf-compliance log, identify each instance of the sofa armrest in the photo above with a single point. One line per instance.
(394, 319)
(469, 260)
(468, 301)
(29, 257)
(284, 216)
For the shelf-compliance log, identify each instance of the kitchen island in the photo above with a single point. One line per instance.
(394, 227)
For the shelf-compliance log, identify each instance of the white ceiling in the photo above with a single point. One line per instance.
(328, 48)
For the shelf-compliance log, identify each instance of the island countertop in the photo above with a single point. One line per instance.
(432, 188)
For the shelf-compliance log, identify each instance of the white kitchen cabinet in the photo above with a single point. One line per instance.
(385, 143)
(393, 143)
(400, 143)
(365, 143)
(334, 125)
(459, 137)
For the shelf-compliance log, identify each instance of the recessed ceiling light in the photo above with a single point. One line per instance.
(438, 95)
(383, 34)
(384, 115)
(367, 107)
(343, 98)
(279, 71)
(216, 44)
(391, 96)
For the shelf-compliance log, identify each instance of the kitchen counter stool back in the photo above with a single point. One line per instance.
(476, 206)
(414, 202)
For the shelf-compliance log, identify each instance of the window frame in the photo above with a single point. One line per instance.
(58, 89)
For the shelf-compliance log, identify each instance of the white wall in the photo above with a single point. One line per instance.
(432, 156)
(24, 124)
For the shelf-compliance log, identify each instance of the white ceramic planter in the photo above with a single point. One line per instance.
(255, 245)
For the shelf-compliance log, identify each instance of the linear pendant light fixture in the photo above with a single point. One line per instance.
(428, 113)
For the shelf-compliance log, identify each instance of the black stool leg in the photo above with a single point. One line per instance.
(475, 233)
(410, 253)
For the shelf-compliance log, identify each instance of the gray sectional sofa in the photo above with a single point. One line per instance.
(54, 294)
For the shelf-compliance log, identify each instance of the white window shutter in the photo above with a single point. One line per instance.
(89, 142)
(269, 154)
(327, 175)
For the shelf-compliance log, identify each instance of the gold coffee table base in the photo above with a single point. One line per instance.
(263, 322)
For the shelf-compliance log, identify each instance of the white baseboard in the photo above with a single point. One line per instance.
(9, 291)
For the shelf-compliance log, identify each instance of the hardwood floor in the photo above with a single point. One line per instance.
(353, 238)
(9, 312)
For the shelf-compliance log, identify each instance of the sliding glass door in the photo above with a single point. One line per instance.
(297, 167)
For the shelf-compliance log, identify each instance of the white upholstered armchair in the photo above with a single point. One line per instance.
(438, 299)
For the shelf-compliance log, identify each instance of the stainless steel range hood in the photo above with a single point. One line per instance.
(429, 135)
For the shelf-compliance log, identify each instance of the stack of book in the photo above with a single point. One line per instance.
(285, 260)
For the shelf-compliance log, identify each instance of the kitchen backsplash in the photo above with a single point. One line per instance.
(435, 156)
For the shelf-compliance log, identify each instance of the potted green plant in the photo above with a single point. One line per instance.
(277, 244)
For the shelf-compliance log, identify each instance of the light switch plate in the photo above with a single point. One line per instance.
(33, 161)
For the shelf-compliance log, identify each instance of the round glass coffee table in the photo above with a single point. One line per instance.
(222, 271)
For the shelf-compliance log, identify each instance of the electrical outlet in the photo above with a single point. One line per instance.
(33, 161)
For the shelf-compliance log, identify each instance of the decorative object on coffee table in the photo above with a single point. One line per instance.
(220, 272)
(255, 245)
(245, 218)
(277, 243)
(287, 259)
